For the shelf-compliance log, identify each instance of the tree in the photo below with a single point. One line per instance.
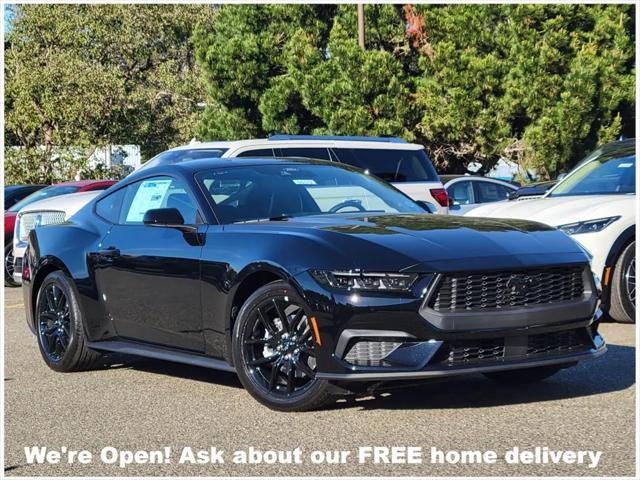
(81, 76)
(537, 84)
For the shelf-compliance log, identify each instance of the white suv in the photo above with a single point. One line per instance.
(405, 165)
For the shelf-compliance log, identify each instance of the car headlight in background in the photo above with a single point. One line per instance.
(365, 281)
(588, 226)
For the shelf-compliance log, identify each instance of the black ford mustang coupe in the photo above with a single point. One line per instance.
(307, 279)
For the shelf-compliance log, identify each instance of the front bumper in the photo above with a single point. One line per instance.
(393, 338)
(19, 248)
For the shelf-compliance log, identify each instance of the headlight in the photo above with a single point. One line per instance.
(365, 281)
(588, 226)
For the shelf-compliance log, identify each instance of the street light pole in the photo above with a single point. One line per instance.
(361, 25)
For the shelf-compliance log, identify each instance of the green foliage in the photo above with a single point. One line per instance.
(80, 76)
(537, 84)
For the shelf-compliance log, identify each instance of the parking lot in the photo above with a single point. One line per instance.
(144, 404)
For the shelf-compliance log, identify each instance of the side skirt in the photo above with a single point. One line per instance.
(149, 351)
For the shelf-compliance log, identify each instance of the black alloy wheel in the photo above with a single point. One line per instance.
(54, 324)
(622, 305)
(8, 266)
(59, 327)
(274, 350)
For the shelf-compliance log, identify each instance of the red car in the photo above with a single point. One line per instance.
(48, 192)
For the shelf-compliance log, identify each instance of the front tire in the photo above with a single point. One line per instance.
(524, 375)
(8, 266)
(623, 287)
(59, 327)
(274, 351)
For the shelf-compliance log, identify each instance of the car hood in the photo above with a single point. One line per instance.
(560, 210)
(69, 203)
(423, 242)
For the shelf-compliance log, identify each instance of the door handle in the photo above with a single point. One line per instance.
(109, 252)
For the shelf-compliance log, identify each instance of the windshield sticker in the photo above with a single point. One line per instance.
(150, 195)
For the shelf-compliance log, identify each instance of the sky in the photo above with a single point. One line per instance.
(8, 15)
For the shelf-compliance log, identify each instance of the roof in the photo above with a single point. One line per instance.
(308, 140)
(189, 167)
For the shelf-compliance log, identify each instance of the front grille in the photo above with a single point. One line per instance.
(477, 351)
(482, 351)
(484, 291)
(370, 353)
(555, 343)
(27, 221)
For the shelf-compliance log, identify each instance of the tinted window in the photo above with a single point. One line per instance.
(179, 156)
(52, 191)
(601, 175)
(461, 192)
(265, 191)
(157, 192)
(262, 152)
(391, 165)
(109, 207)
(491, 192)
(317, 153)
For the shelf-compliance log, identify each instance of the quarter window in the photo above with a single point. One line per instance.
(157, 192)
(109, 207)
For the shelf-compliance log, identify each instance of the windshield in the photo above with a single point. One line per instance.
(184, 155)
(48, 192)
(602, 175)
(240, 194)
(391, 165)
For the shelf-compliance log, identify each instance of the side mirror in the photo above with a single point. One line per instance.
(163, 217)
(427, 206)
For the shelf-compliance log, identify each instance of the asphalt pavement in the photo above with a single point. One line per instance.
(139, 404)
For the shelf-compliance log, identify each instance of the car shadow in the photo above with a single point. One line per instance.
(613, 372)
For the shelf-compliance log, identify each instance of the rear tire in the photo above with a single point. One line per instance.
(8, 266)
(276, 363)
(622, 299)
(60, 327)
(524, 375)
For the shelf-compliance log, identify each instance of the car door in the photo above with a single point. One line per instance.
(462, 197)
(149, 276)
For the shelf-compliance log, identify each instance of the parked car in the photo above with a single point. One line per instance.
(596, 205)
(467, 192)
(45, 193)
(14, 193)
(532, 190)
(308, 279)
(405, 165)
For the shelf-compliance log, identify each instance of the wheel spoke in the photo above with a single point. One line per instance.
(258, 341)
(304, 368)
(291, 376)
(307, 349)
(264, 360)
(51, 302)
(282, 315)
(62, 302)
(295, 323)
(273, 379)
(267, 323)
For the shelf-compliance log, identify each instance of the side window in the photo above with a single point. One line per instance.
(109, 207)
(491, 192)
(261, 152)
(316, 153)
(157, 192)
(461, 192)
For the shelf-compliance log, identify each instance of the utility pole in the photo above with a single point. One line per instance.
(361, 25)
